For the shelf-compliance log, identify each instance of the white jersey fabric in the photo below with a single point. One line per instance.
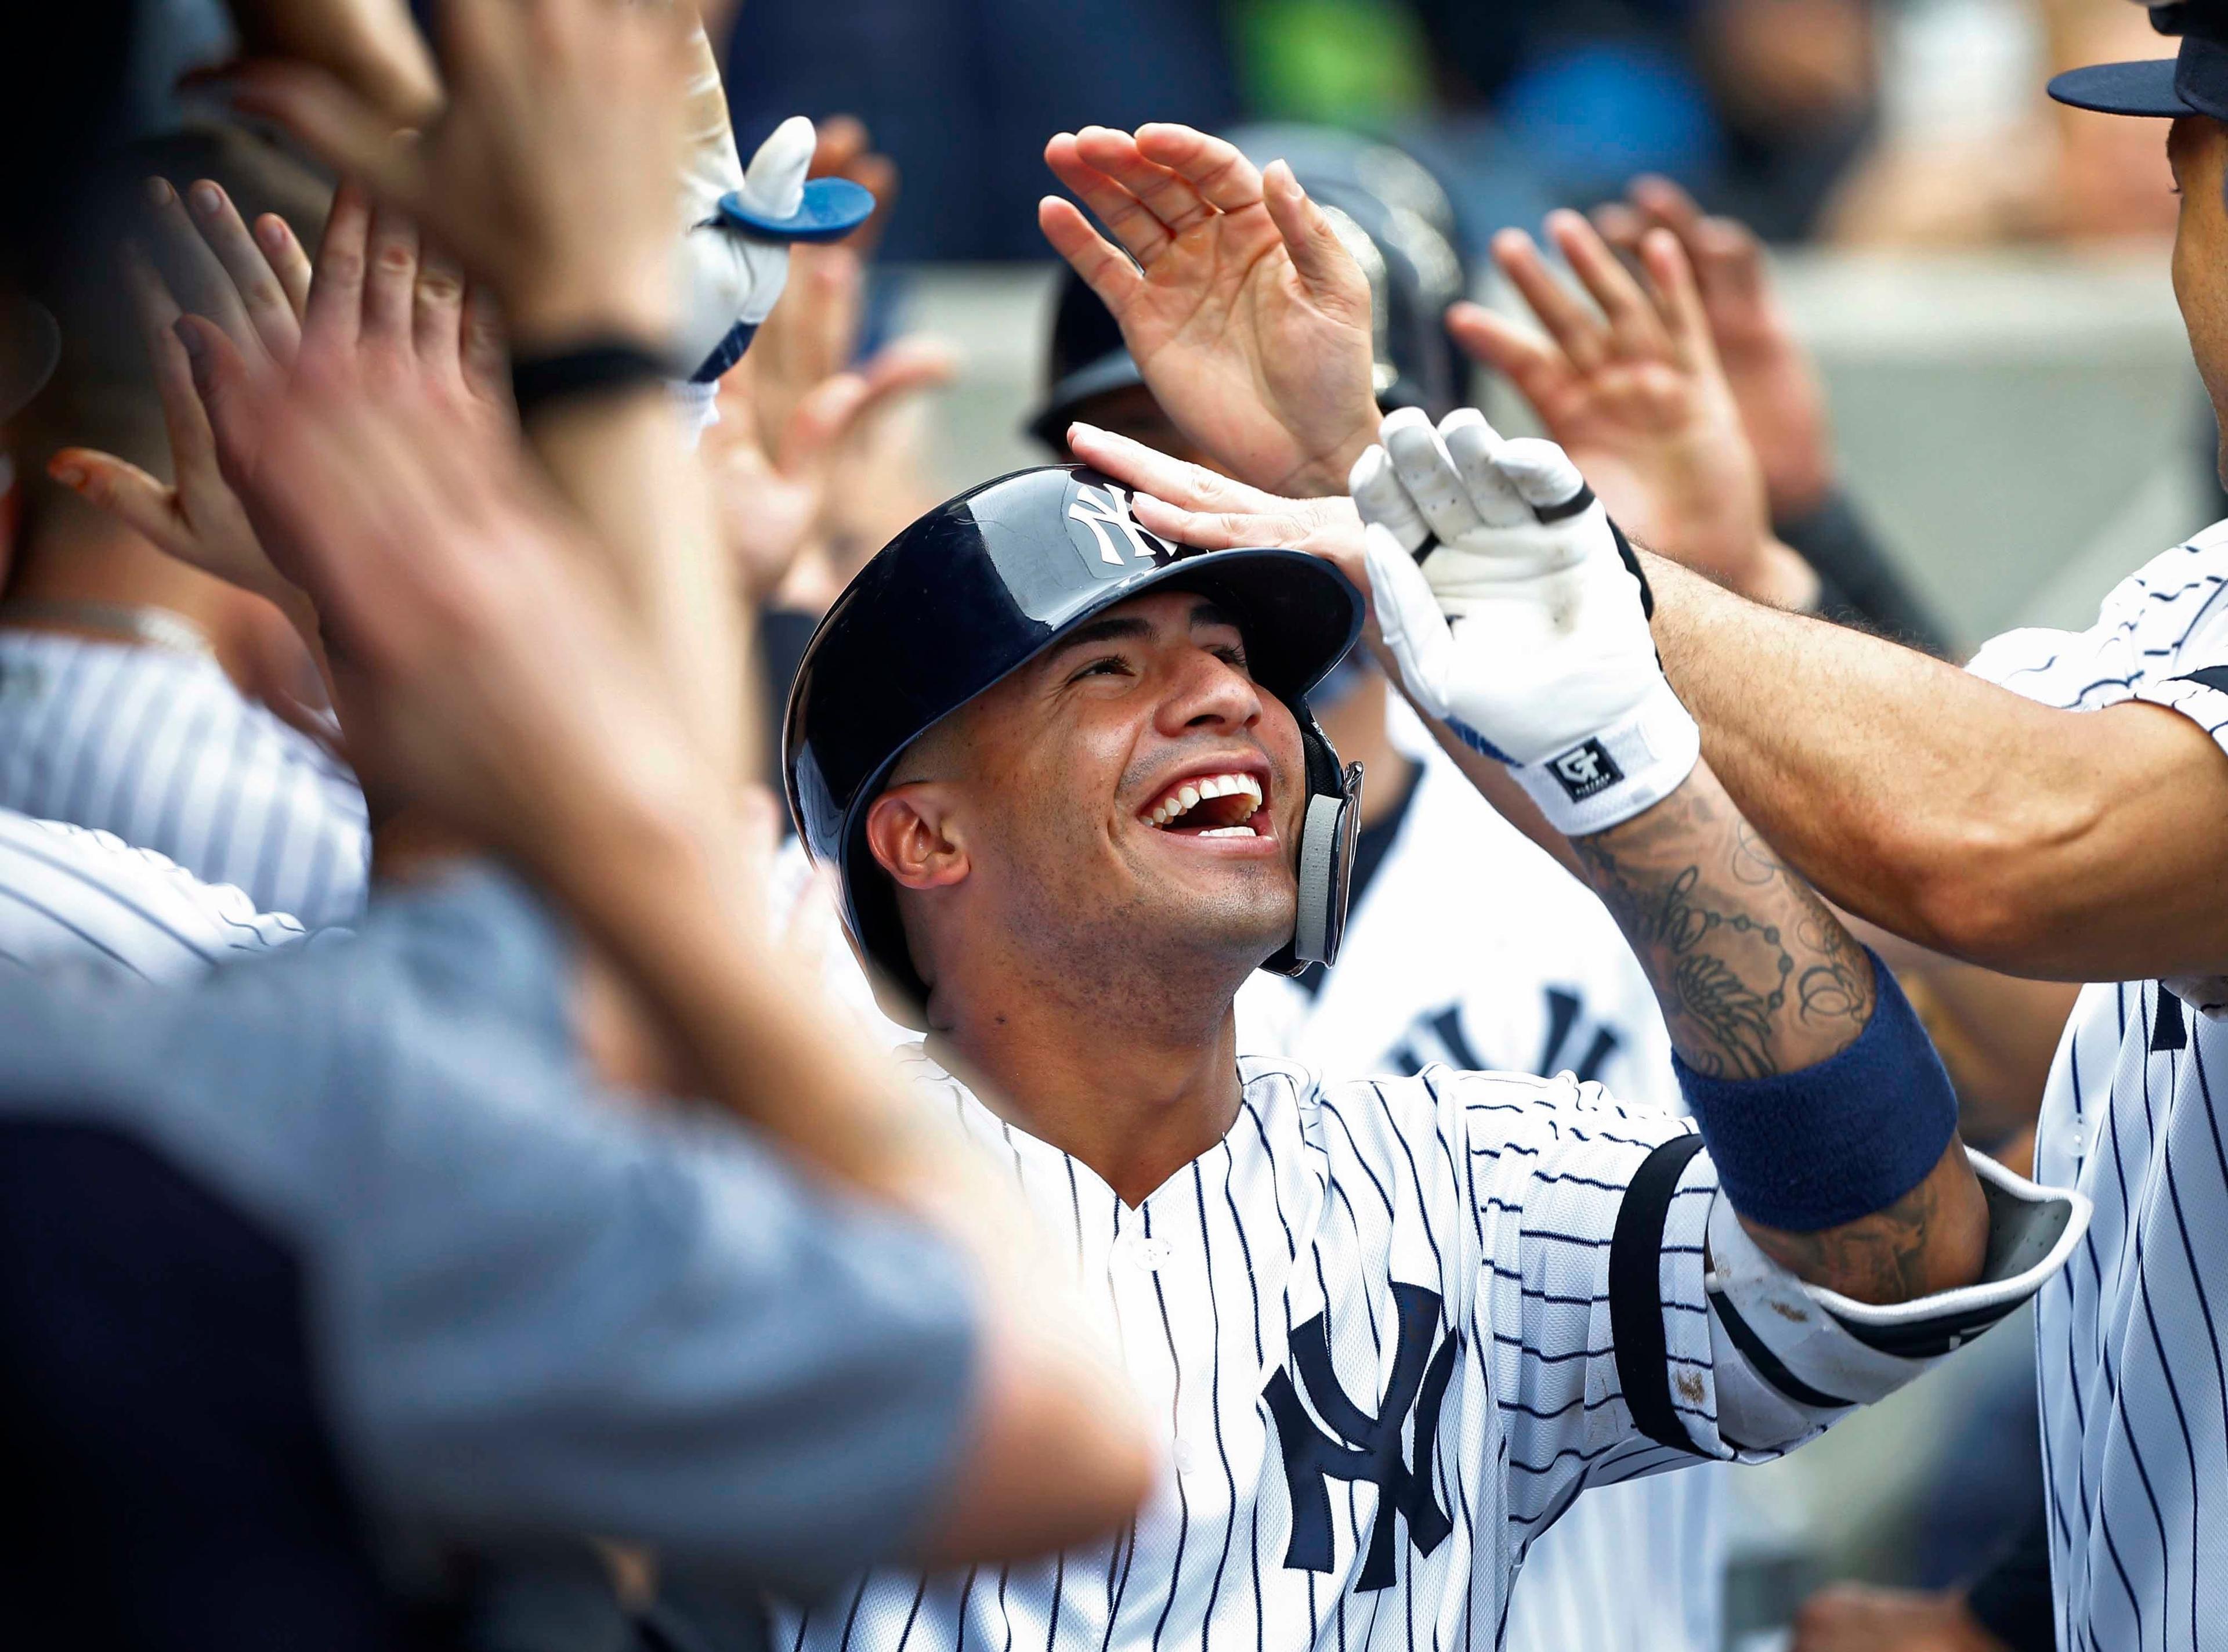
(1469, 944)
(2134, 1378)
(71, 898)
(1392, 1327)
(159, 748)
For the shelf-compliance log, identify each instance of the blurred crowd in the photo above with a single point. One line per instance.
(312, 586)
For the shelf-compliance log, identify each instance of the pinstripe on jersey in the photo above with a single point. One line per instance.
(160, 749)
(1470, 945)
(2133, 1385)
(1499, 1197)
(72, 897)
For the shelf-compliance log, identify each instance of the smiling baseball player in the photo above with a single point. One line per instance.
(1067, 776)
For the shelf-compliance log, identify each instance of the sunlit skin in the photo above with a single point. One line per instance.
(2197, 149)
(1081, 960)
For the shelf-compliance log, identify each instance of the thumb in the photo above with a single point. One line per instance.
(1541, 472)
(121, 490)
(774, 183)
(1408, 617)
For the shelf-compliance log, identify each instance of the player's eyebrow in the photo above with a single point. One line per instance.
(1126, 628)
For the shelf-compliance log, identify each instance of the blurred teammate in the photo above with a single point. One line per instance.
(136, 691)
(1466, 945)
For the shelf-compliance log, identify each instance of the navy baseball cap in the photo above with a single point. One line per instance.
(2193, 82)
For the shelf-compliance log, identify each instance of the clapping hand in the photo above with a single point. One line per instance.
(1248, 319)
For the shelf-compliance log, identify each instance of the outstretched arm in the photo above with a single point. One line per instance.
(1523, 626)
(2036, 841)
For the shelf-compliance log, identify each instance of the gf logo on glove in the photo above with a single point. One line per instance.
(1098, 507)
(1585, 770)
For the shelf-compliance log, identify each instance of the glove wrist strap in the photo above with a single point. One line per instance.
(1599, 781)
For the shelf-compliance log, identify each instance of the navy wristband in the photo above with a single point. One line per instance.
(1837, 1141)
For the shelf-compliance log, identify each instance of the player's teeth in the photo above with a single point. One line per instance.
(1187, 797)
(1231, 831)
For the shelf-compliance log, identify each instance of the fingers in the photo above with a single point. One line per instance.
(228, 394)
(390, 279)
(818, 422)
(485, 360)
(1686, 321)
(774, 183)
(1667, 204)
(1408, 617)
(1212, 166)
(343, 130)
(1631, 313)
(437, 316)
(1104, 268)
(906, 367)
(1476, 448)
(335, 311)
(1319, 258)
(1568, 321)
(1167, 194)
(271, 309)
(283, 252)
(1536, 367)
(1125, 217)
(1380, 497)
(120, 488)
(1427, 473)
(1541, 471)
(1193, 487)
(190, 269)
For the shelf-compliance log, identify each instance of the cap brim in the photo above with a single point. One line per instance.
(1116, 370)
(2143, 88)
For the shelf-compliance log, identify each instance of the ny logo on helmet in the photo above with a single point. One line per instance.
(1362, 1446)
(1100, 507)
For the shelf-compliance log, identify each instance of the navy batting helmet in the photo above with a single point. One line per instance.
(981, 584)
(1389, 211)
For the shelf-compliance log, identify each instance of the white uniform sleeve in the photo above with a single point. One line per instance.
(1634, 1324)
(73, 897)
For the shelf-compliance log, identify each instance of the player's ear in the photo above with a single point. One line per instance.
(912, 835)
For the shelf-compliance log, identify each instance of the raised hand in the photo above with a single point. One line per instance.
(1774, 382)
(1248, 319)
(551, 172)
(1630, 386)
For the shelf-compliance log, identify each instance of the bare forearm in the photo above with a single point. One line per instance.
(1947, 810)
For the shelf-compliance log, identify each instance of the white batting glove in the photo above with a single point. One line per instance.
(1516, 616)
(729, 278)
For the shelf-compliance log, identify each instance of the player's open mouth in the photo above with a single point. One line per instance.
(1229, 803)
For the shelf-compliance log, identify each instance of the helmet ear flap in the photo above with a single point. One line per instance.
(1325, 871)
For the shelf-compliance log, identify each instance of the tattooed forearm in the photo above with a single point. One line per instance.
(1934, 1238)
(1754, 975)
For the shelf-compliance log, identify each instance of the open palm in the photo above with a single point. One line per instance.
(1248, 319)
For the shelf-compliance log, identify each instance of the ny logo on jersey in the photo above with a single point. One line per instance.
(1438, 1035)
(1118, 541)
(1362, 1446)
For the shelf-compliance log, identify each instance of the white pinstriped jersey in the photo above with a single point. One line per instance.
(1388, 1325)
(1517, 965)
(2134, 1377)
(72, 898)
(159, 748)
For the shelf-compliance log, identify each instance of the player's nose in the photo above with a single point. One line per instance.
(1207, 691)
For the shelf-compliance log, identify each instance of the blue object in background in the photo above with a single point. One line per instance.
(1589, 115)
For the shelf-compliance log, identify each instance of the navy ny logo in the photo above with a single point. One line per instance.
(1366, 1447)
